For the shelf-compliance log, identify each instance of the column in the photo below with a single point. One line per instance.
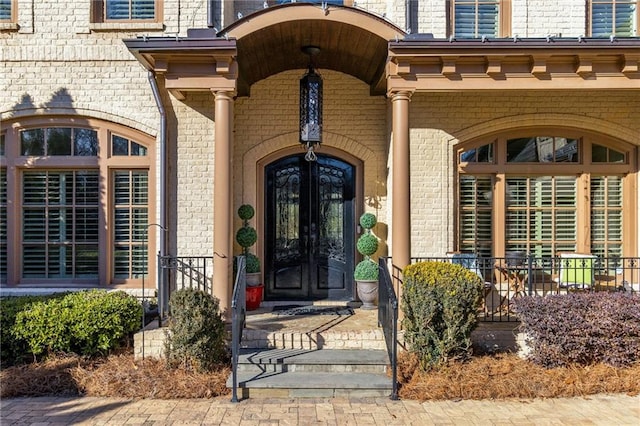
(223, 202)
(401, 208)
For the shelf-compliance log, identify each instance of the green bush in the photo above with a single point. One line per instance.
(366, 270)
(440, 303)
(367, 244)
(87, 323)
(14, 349)
(253, 263)
(196, 331)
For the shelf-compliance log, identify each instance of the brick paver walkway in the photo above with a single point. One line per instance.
(594, 410)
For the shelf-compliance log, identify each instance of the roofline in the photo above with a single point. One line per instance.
(426, 41)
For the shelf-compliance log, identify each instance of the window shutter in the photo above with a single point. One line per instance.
(614, 17)
(476, 199)
(5, 10)
(606, 215)
(130, 9)
(475, 18)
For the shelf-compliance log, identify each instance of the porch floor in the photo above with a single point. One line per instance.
(266, 329)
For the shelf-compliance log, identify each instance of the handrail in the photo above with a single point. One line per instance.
(388, 319)
(238, 316)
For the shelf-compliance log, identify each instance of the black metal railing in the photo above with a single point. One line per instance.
(388, 319)
(178, 272)
(518, 274)
(238, 317)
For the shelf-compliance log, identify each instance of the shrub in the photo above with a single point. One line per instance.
(196, 330)
(581, 328)
(12, 348)
(87, 323)
(367, 270)
(441, 302)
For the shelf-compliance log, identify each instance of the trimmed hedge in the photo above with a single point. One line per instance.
(13, 350)
(86, 323)
(196, 334)
(581, 328)
(440, 302)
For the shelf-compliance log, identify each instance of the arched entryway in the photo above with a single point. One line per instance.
(309, 221)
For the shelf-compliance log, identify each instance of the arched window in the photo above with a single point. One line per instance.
(544, 192)
(75, 202)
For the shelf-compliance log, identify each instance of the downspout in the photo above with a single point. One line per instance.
(211, 19)
(161, 276)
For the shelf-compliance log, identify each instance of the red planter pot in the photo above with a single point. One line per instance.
(254, 297)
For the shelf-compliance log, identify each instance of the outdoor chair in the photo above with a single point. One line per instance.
(576, 271)
(493, 300)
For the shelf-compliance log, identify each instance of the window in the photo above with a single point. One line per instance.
(77, 204)
(478, 18)
(60, 224)
(130, 219)
(126, 10)
(7, 11)
(614, 17)
(546, 194)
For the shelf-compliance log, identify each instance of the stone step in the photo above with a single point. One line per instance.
(305, 360)
(359, 339)
(295, 373)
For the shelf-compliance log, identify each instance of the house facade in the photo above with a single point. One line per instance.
(136, 127)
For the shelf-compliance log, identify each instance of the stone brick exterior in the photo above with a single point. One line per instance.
(58, 63)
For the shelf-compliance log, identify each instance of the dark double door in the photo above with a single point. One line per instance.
(309, 229)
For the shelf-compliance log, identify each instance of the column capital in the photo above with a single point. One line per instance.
(398, 95)
(224, 93)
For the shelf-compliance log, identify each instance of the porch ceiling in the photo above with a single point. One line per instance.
(351, 41)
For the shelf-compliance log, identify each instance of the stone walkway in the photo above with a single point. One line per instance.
(594, 410)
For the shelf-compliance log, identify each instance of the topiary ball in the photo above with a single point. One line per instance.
(367, 244)
(246, 236)
(368, 220)
(253, 264)
(246, 212)
(366, 270)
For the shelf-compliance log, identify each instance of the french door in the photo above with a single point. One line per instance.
(309, 229)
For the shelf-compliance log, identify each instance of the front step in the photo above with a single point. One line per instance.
(298, 373)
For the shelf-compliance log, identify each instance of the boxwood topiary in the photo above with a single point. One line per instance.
(366, 270)
(368, 220)
(246, 212)
(367, 244)
(252, 264)
(441, 302)
(246, 236)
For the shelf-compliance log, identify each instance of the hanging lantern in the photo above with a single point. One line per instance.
(311, 111)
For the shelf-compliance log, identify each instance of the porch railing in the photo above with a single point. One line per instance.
(388, 319)
(517, 275)
(238, 316)
(178, 272)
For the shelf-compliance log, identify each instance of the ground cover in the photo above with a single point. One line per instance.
(484, 377)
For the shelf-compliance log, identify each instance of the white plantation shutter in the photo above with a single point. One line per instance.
(60, 224)
(606, 215)
(475, 18)
(541, 214)
(5, 10)
(130, 9)
(476, 199)
(614, 17)
(131, 217)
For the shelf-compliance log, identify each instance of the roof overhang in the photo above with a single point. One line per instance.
(189, 64)
(424, 64)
